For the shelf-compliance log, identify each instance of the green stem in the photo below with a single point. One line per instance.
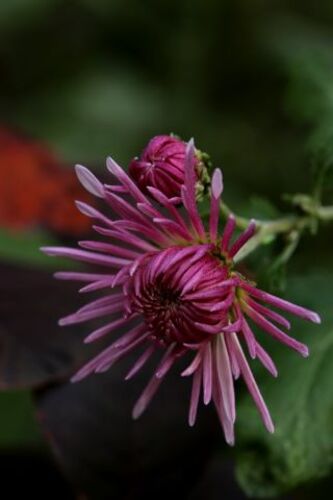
(325, 213)
(292, 226)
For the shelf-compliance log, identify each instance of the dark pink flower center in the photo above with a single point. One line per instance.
(181, 294)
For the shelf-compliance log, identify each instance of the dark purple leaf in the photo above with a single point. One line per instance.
(106, 454)
(33, 348)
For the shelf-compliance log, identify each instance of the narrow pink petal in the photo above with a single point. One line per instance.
(129, 336)
(242, 239)
(227, 424)
(190, 175)
(82, 255)
(213, 329)
(269, 313)
(166, 362)
(188, 190)
(193, 213)
(103, 301)
(126, 237)
(91, 212)
(215, 292)
(233, 327)
(100, 332)
(89, 181)
(266, 360)
(193, 366)
(195, 395)
(156, 264)
(131, 214)
(233, 361)
(249, 339)
(217, 183)
(121, 277)
(276, 332)
(191, 284)
(225, 304)
(173, 228)
(186, 267)
(161, 198)
(216, 191)
(76, 276)
(98, 285)
(125, 210)
(281, 303)
(146, 397)
(148, 210)
(116, 188)
(105, 365)
(140, 362)
(181, 254)
(228, 232)
(148, 232)
(224, 377)
(251, 384)
(109, 248)
(82, 316)
(125, 180)
(106, 356)
(207, 374)
(88, 368)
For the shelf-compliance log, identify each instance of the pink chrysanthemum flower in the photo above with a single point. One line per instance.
(175, 290)
(160, 165)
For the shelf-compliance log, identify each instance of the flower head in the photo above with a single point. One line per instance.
(176, 290)
(160, 165)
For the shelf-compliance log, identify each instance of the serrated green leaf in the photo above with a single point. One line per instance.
(300, 401)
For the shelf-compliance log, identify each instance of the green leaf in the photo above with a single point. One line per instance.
(18, 426)
(261, 208)
(300, 401)
(306, 56)
(24, 248)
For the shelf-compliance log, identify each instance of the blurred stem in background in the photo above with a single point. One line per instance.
(291, 226)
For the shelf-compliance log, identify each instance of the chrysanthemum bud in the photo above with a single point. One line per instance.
(161, 165)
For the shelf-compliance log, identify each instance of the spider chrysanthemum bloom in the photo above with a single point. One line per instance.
(175, 289)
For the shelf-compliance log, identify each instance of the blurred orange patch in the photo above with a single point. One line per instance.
(36, 189)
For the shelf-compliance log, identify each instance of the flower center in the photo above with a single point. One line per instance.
(180, 294)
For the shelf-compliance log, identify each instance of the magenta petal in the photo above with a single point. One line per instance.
(207, 373)
(276, 332)
(281, 303)
(146, 396)
(89, 181)
(266, 360)
(224, 377)
(140, 362)
(195, 395)
(216, 191)
(243, 239)
(251, 384)
(227, 424)
(228, 232)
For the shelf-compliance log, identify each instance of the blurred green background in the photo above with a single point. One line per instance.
(250, 80)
